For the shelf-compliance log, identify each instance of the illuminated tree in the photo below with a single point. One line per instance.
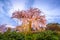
(31, 19)
(3, 28)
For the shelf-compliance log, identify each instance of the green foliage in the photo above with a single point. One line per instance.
(28, 36)
(45, 35)
(1, 36)
(13, 36)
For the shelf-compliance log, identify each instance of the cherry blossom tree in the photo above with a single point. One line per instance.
(31, 18)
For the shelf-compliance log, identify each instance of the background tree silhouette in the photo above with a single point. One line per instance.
(53, 26)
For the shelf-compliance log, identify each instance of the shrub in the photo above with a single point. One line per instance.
(45, 35)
